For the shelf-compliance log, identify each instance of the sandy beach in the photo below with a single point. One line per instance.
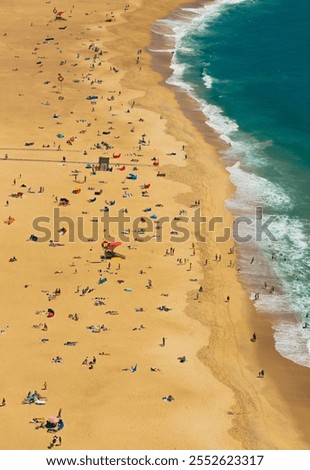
(151, 349)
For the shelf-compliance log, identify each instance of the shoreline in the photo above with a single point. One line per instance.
(222, 405)
(285, 298)
(259, 321)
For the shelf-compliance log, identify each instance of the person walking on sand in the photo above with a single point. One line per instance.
(3, 402)
(59, 413)
(52, 443)
(228, 298)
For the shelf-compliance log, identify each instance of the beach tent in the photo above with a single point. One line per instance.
(110, 245)
(122, 168)
(63, 201)
(132, 176)
(116, 155)
(102, 281)
(33, 238)
(60, 136)
(50, 313)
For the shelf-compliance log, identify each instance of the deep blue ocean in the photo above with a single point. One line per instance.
(246, 63)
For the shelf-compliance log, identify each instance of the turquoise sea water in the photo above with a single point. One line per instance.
(246, 63)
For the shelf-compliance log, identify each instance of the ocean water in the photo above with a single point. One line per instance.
(246, 64)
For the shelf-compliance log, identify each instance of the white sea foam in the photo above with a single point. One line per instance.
(207, 80)
(256, 190)
(177, 78)
(162, 50)
(223, 125)
(293, 342)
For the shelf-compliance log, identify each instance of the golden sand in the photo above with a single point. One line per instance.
(219, 403)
